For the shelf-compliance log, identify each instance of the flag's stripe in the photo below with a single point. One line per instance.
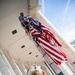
(48, 31)
(57, 61)
(54, 58)
(57, 55)
(52, 52)
(49, 46)
(45, 42)
(38, 34)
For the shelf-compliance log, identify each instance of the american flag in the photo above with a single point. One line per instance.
(49, 43)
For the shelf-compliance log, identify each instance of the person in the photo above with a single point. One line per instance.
(35, 70)
(24, 22)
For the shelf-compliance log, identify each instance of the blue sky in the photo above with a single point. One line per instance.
(61, 13)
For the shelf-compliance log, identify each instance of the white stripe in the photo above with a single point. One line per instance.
(53, 57)
(56, 58)
(46, 43)
(52, 51)
(45, 29)
(52, 47)
(49, 48)
(33, 32)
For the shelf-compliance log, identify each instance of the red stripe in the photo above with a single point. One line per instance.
(49, 46)
(46, 36)
(49, 51)
(56, 61)
(48, 31)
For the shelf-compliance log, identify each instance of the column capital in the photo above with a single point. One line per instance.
(33, 10)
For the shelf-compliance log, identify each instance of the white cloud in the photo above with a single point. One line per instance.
(65, 12)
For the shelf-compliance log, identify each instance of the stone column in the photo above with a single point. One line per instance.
(35, 12)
